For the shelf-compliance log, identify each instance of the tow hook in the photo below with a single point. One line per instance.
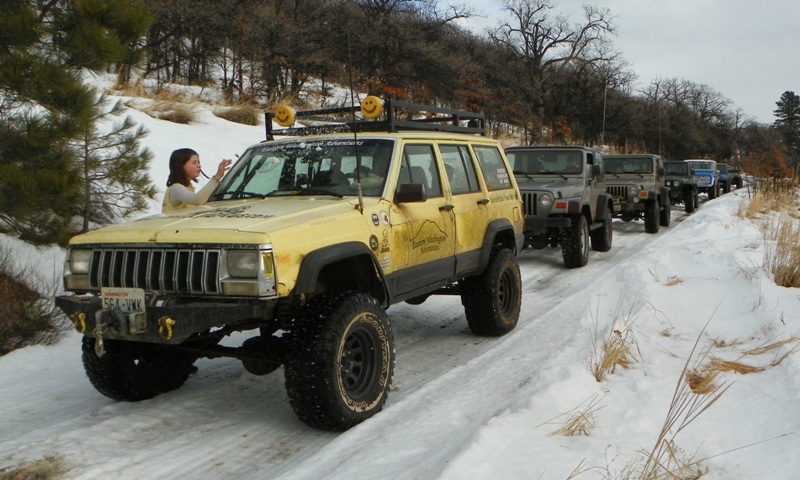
(101, 330)
(79, 322)
(165, 327)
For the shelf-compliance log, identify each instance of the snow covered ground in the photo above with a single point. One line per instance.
(462, 407)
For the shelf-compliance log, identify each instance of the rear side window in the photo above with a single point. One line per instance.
(460, 170)
(495, 173)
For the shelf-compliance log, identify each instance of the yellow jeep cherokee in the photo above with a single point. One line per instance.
(306, 242)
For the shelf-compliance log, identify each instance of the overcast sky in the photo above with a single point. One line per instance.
(747, 51)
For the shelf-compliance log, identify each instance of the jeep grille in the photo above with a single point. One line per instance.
(618, 191)
(165, 270)
(531, 204)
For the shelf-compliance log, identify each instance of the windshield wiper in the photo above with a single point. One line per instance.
(523, 173)
(319, 191)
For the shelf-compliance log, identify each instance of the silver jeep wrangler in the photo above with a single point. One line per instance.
(565, 199)
(636, 183)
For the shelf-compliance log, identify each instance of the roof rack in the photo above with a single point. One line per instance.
(419, 117)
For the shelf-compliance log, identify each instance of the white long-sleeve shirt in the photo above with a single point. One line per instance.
(179, 196)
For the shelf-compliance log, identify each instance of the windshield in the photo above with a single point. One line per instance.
(722, 167)
(311, 167)
(546, 162)
(628, 165)
(676, 168)
(699, 164)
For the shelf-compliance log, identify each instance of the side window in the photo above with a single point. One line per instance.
(494, 169)
(460, 170)
(419, 166)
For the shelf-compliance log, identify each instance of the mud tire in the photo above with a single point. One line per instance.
(575, 243)
(492, 300)
(341, 362)
(133, 371)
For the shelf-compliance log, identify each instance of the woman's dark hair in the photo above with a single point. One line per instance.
(176, 161)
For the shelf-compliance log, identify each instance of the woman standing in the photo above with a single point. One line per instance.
(184, 168)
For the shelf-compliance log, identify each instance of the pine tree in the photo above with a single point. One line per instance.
(788, 122)
(113, 167)
(44, 105)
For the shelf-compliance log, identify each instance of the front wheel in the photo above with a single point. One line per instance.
(134, 371)
(575, 243)
(342, 360)
(689, 201)
(492, 299)
(651, 216)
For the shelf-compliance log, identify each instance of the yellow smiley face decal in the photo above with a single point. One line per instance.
(371, 107)
(284, 115)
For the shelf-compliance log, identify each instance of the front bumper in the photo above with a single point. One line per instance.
(159, 324)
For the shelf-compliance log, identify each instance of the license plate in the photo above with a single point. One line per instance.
(128, 300)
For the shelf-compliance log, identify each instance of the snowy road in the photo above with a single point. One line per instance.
(226, 423)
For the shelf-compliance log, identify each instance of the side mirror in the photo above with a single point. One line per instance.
(597, 171)
(661, 172)
(410, 193)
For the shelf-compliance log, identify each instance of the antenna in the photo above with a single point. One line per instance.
(360, 205)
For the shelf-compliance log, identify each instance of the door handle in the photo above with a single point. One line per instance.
(483, 201)
(445, 208)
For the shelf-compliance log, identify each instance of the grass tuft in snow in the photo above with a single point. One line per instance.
(618, 347)
(48, 468)
(580, 419)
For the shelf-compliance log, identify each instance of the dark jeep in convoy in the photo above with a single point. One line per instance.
(636, 184)
(679, 179)
(566, 203)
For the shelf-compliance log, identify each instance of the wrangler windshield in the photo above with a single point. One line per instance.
(309, 167)
(542, 162)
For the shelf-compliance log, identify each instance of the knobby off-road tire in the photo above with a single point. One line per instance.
(665, 215)
(689, 202)
(134, 371)
(575, 243)
(492, 299)
(713, 192)
(602, 237)
(651, 216)
(341, 362)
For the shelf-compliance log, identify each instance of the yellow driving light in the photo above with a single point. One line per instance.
(371, 107)
(284, 115)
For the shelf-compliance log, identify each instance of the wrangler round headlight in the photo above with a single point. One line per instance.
(545, 199)
(632, 191)
(244, 263)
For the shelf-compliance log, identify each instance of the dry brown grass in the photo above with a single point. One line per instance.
(673, 280)
(580, 420)
(48, 468)
(782, 250)
(244, 114)
(619, 348)
(176, 112)
(769, 197)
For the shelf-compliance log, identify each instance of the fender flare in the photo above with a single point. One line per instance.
(313, 264)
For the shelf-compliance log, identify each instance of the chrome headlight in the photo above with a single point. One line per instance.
(545, 199)
(79, 261)
(244, 263)
(632, 191)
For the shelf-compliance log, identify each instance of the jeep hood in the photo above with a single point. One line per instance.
(242, 221)
(559, 186)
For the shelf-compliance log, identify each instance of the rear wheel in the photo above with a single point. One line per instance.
(651, 216)
(575, 243)
(342, 360)
(135, 371)
(665, 215)
(492, 299)
(602, 237)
